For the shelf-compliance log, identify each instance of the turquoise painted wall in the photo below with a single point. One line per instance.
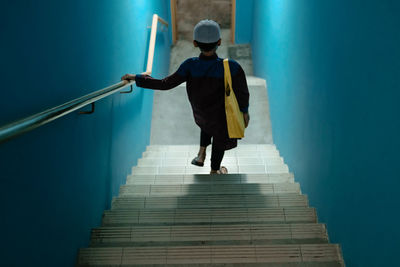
(57, 180)
(244, 21)
(333, 74)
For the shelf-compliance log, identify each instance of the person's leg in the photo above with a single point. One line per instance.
(217, 154)
(205, 140)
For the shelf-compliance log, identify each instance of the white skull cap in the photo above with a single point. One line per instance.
(207, 31)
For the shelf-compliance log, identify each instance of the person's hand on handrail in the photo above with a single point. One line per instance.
(128, 77)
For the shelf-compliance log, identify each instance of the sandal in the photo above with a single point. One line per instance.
(222, 170)
(196, 162)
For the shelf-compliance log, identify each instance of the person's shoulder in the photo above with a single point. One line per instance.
(234, 66)
(186, 66)
(233, 62)
(190, 60)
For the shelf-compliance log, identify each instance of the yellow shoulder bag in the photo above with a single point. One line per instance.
(234, 117)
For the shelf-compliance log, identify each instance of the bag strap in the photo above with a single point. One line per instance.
(227, 77)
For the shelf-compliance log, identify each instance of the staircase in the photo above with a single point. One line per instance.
(173, 213)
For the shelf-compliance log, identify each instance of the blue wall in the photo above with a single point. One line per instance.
(57, 180)
(333, 75)
(244, 21)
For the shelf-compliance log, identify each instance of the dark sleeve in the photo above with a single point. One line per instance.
(167, 83)
(239, 84)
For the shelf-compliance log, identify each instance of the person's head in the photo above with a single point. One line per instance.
(207, 36)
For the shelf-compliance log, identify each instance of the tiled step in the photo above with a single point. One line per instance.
(228, 154)
(313, 255)
(231, 161)
(181, 170)
(209, 189)
(242, 234)
(178, 148)
(209, 179)
(208, 216)
(210, 201)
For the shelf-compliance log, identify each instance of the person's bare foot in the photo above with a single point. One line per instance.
(222, 170)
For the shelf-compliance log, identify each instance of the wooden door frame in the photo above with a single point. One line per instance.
(174, 23)
(233, 21)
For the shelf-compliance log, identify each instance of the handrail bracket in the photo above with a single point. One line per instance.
(128, 92)
(91, 111)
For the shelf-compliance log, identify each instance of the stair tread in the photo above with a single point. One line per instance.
(239, 161)
(186, 161)
(204, 201)
(209, 216)
(209, 233)
(180, 170)
(240, 147)
(210, 179)
(228, 154)
(274, 254)
(197, 189)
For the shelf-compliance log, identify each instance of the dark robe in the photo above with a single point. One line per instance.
(204, 77)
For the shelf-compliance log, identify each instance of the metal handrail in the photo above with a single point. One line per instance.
(24, 125)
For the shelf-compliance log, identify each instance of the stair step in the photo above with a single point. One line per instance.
(312, 255)
(195, 148)
(173, 213)
(229, 153)
(210, 201)
(210, 179)
(209, 189)
(208, 216)
(242, 234)
(186, 161)
(259, 169)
